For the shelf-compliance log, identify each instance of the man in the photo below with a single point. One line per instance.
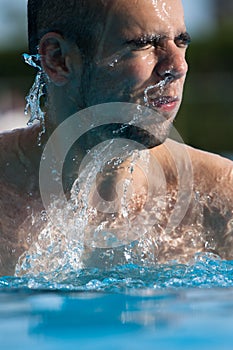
(128, 51)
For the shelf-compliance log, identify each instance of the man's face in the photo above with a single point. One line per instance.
(140, 56)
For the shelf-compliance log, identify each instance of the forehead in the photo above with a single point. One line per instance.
(134, 17)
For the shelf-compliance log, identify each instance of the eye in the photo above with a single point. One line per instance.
(183, 40)
(144, 43)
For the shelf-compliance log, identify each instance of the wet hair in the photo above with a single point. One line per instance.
(80, 21)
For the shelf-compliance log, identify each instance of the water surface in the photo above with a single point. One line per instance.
(172, 306)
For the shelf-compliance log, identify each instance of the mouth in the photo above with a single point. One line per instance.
(163, 103)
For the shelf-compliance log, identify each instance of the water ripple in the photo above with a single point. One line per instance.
(205, 271)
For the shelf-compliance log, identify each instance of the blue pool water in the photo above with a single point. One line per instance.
(129, 307)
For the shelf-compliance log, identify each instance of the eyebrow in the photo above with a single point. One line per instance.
(144, 38)
(150, 38)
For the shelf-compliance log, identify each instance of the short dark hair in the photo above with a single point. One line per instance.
(80, 21)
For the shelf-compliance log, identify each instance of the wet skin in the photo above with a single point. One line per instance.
(149, 44)
(141, 45)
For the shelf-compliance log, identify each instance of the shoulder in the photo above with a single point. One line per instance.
(215, 166)
(10, 140)
(201, 161)
(16, 151)
(210, 172)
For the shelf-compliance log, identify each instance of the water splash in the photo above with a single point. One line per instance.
(33, 99)
(32, 60)
(70, 246)
(67, 243)
(107, 235)
(203, 271)
(158, 88)
(71, 252)
(53, 255)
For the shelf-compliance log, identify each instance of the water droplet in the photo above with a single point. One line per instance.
(113, 63)
(43, 216)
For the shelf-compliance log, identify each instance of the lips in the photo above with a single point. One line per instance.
(164, 102)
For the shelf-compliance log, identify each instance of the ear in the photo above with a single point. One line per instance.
(56, 58)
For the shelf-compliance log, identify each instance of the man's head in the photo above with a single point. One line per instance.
(97, 51)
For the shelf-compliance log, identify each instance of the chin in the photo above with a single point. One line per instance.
(153, 140)
(150, 137)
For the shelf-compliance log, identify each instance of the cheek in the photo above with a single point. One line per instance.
(137, 69)
(125, 76)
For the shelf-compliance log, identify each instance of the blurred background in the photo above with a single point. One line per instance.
(206, 116)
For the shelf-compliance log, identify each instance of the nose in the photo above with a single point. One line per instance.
(171, 64)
